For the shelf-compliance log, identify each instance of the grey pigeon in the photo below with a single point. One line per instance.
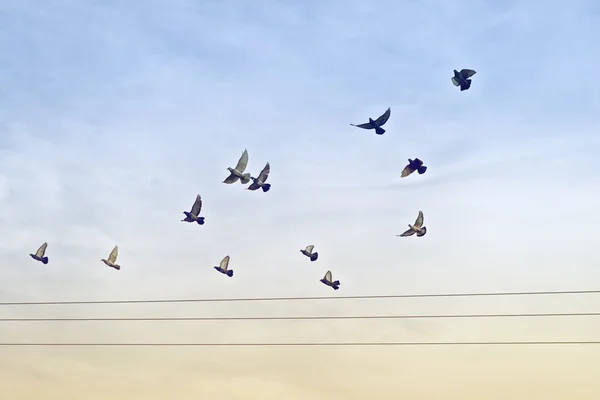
(462, 78)
(222, 268)
(417, 228)
(194, 214)
(413, 165)
(327, 280)
(378, 123)
(40, 254)
(238, 172)
(308, 252)
(260, 181)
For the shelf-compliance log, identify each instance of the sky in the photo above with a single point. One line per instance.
(115, 114)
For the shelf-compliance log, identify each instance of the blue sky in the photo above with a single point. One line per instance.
(114, 115)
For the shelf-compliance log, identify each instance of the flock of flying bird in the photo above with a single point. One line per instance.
(460, 79)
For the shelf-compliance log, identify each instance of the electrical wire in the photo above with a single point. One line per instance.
(298, 344)
(265, 299)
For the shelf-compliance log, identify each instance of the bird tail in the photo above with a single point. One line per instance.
(117, 267)
(230, 273)
(379, 130)
(336, 283)
(423, 232)
(335, 287)
(45, 260)
(245, 178)
(466, 85)
(421, 170)
(314, 256)
(266, 187)
(200, 220)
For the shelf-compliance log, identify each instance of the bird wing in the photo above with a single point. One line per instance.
(417, 162)
(409, 232)
(231, 179)
(242, 162)
(467, 73)
(42, 250)
(328, 276)
(197, 206)
(366, 125)
(407, 171)
(419, 221)
(224, 263)
(384, 117)
(455, 82)
(113, 255)
(309, 249)
(253, 186)
(264, 174)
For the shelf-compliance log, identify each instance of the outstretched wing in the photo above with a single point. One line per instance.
(253, 186)
(224, 263)
(113, 255)
(407, 171)
(409, 232)
(231, 179)
(384, 117)
(42, 250)
(328, 276)
(197, 206)
(467, 73)
(366, 125)
(455, 82)
(264, 174)
(242, 162)
(310, 248)
(417, 162)
(419, 221)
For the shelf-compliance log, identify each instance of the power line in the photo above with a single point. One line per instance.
(251, 299)
(302, 318)
(328, 344)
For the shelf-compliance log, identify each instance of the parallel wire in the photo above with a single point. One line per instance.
(302, 318)
(264, 299)
(300, 344)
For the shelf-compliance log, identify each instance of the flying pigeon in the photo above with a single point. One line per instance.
(222, 268)
(194, 214)
(260, 181)
(40, 254)
(327, 281)
(238, 172)
(377, 124)
(112, 259)
(308, 252)
(413, 165)
(462, 78)
(417, 228)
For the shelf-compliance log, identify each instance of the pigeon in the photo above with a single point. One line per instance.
(413, 165)
(308, 252)
(462, 78)
(260, 181)
(238, 172)
(222, 268)
(417, 228)
(194, 214)
(377, 124)
(327, 281)
(40, 254)
(112, 259)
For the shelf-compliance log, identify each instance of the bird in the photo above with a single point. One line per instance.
(417, 228)
(112, 259)
(238, 172)
(327, 281)
(462, 78)
(260, 181)
(222, 268)
(413, 165)
(308, 252)
(194, 214)
(377, 124)
(40, 254)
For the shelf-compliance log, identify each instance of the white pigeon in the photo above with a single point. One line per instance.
(40, 254)
(308, 252)
(112, 259)
(327, 280)
(222, 268)
(238, 172)
(417, 228)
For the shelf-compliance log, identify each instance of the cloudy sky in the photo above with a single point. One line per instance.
(115, 114)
